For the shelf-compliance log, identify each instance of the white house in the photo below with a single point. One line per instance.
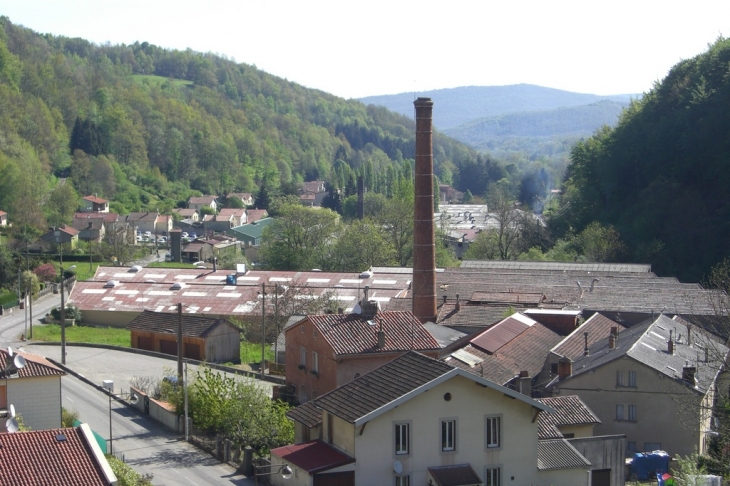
(34, 390)
(416, 420)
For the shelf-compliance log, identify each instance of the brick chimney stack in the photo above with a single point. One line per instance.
(424, 243)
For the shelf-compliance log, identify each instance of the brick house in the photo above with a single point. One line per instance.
(327, 351)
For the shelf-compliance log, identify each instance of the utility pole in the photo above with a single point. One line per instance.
(263, 326)
(179, 343)
(276, 323)
(57, 234)
(30, 322)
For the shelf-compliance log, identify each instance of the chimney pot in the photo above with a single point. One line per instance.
(688, 374)
(565, 368)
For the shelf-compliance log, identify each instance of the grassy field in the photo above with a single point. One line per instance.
(83, 334)
(250, 352)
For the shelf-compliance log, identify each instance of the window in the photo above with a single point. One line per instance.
(632, 413)
(620, 378)
(402, 439)
(652, 446)
(619, 412)
(402, 481)
(448, 435)
(493, 476)
(632, 379)
(492, 427)
(302, 356)
(631, 446)
(315, 362)
(553, 368)
(301, 329)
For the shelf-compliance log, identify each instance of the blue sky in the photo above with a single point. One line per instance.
(362, 48)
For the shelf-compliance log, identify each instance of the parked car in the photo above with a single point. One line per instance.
(193, 236)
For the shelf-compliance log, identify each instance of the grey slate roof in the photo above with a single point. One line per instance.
(569, 410)
(647, 344)
(163, 322)
(382, 386)
(456, 475)
(559, 454)
(307, 414)
(442, 334)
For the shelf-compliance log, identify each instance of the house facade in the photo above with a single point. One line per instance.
(330, 350)
(416, 420)
(94, 204)
(653, 382)
(198, 202)
(34, 390)
(3, 218)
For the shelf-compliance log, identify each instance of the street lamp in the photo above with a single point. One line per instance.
(132, 399)
(283, 469)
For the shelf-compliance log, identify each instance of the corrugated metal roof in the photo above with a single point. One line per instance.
(558, 266)
(559, 454)
(501, 333)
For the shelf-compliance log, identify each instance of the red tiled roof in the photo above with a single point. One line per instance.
(201, 200)
(315, 456)
(69, 230)
(39, 458)
(598, 328)
(35, 365)
(95, 200)
(255, 214)
(354, 333)
(503, 332)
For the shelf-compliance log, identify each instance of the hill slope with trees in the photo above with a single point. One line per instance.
(147, 127)
(661, 176)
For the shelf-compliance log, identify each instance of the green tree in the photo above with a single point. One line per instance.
(300, 238)
(62, 204)
(362, 244)
(600, 243)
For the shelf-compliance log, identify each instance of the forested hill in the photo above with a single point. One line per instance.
(457, 106)
(662, 175)
(567, 123)
(143, 126)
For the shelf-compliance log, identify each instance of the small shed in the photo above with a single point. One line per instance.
(210, 339)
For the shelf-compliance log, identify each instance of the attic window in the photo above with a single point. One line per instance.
(60, 438)
(372, 323)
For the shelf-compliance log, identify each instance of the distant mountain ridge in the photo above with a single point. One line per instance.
(457, 106)
(566, 123)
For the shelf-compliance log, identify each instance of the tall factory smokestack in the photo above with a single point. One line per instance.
(360, 197)
(424, 243)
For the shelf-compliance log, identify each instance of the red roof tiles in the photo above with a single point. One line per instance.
(54, 457)
(315, 456)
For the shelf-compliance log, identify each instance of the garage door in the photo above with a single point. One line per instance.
(147, 343)
(192, 351)
(168, 347)
(335, 479)
(601, 477)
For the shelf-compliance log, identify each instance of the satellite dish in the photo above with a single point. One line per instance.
(12, 410)
(133, 399)
(286, 472)
(12, 425)
(19, 361)
(397, 467)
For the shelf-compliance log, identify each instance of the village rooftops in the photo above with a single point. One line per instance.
(648, 344)
(350, 334)
(397, 381)
(598, 328)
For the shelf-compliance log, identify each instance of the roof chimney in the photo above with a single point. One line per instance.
(670, 344)
(524, 383)
(565, 368)
(585, 349)
(689, 335)
(611, 341)
(458, 304)
(424, 242)
(688, 374)
(381, 339)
